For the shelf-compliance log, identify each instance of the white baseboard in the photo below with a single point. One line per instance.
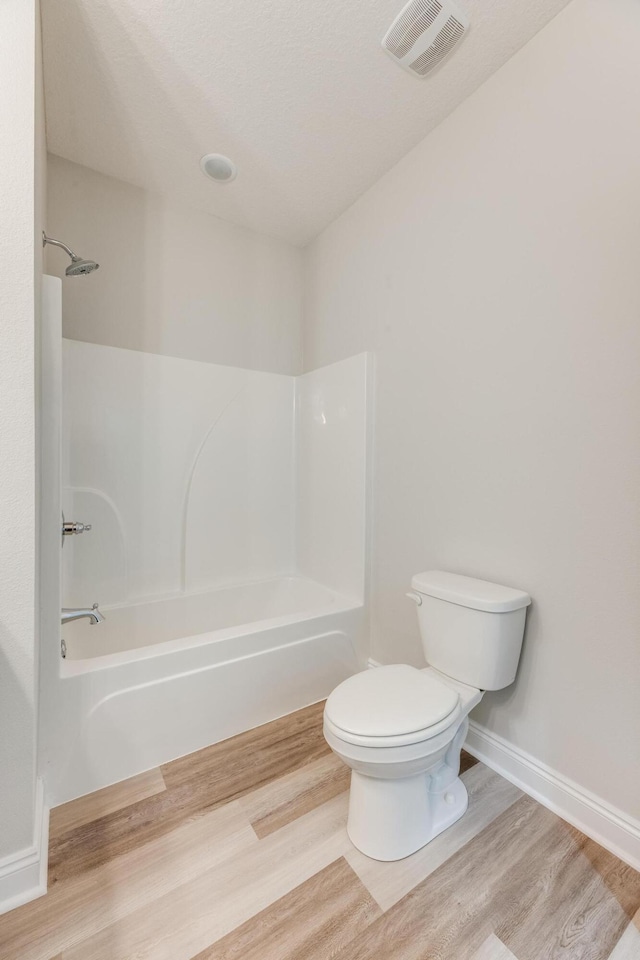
(608, 826)
(611, 828)
(23, 875)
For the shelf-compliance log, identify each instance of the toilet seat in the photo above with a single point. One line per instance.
(391, 706)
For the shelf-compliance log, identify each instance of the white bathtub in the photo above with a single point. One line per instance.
(173, 623)
(160, 679)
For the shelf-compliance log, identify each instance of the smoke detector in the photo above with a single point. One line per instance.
(424, 33)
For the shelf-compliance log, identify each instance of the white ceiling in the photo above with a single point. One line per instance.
(298, 92)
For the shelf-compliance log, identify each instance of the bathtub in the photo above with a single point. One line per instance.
(162, 678)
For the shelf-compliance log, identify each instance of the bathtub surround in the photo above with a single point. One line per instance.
(199, 554)
(493, 273)
(173, 280)
(184, 469)
(195, 475)
(333, 474)
(256, 827)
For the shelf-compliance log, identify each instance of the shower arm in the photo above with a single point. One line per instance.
(58, 243)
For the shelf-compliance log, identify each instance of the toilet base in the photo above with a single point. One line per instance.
(391, 819)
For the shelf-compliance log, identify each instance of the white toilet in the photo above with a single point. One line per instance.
(401, 729)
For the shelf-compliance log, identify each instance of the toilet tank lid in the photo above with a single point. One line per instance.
(468, 592)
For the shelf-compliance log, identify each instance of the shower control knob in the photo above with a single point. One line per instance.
(69, 528)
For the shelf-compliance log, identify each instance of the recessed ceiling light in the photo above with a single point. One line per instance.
(218, 168)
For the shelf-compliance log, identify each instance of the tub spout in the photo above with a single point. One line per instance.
(91, 613)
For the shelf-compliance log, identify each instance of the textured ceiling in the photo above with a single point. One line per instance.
(298, 92)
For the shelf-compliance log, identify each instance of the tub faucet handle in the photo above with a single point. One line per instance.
(70, 527)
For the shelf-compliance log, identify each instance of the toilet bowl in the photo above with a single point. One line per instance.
(401, 729)
(411, 751)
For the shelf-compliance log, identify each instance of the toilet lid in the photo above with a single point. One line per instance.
(390, 701)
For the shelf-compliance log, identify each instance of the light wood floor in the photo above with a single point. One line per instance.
(239, 852)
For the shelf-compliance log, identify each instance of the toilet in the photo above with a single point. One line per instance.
(401, 729)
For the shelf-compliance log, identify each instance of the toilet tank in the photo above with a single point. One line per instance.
(471, 630)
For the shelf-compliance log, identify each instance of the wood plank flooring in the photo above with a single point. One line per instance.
(239, 852)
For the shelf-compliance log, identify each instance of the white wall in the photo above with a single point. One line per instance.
(171, 280)
(494, 272)
(17, 439)
(20, 97)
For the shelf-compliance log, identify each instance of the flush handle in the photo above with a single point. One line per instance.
(416, 597)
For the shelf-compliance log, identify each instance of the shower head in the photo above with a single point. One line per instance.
(78, 267)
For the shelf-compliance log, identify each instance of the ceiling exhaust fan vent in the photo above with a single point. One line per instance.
(424, 33)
